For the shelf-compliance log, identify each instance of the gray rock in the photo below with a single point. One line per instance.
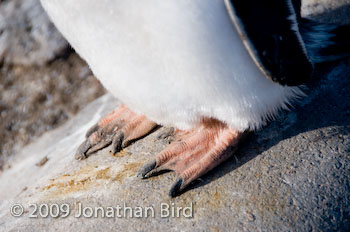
(27, 36)
(327, 10)
(294, 175)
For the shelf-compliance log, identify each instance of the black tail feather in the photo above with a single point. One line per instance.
(325, 42)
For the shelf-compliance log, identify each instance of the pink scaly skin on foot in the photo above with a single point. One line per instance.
(194, 152)
(119, 128)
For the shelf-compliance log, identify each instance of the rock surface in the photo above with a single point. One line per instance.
(294, 175)
(40, 87)
(327, 10)
(26, 34)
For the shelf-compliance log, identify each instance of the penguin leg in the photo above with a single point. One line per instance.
(119, 128)
(194, 152)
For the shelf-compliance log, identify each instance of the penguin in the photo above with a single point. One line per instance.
(210, 70)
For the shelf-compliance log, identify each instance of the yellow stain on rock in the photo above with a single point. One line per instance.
(127, 171)
(122, 153)
(77, 181)
(88, 177)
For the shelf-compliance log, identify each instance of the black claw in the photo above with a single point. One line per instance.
(157, 171)
(117, 142)
(99, 146)
(82, 150)
(176, 187)
(92, 130)
(126, 143)
(146, 169)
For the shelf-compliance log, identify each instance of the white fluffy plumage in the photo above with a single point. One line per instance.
(174, 61)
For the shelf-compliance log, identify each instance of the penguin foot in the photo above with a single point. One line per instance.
(119, 128)
(194, 152)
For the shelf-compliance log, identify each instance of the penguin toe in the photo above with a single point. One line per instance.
(193, 153)
(120, 128)
(81, 152)
(175, 189)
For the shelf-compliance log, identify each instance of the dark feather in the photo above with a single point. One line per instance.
(270, 31)
(325, 42)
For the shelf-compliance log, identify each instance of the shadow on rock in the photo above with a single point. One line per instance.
(326, 106)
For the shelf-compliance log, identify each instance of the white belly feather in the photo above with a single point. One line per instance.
(174, 61)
